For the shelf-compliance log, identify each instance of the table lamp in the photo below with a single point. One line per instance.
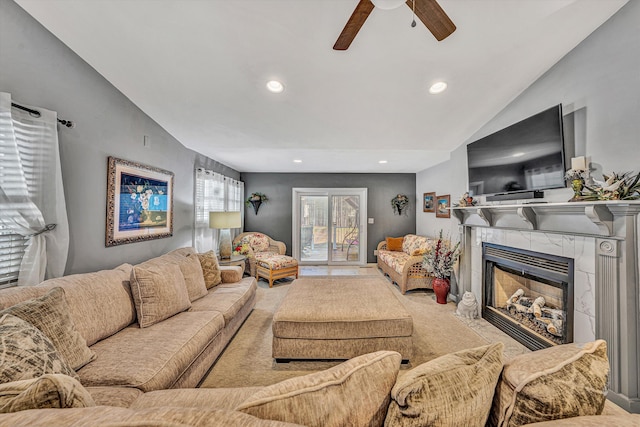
(224, 221)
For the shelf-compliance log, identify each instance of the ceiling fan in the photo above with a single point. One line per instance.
(428, 11)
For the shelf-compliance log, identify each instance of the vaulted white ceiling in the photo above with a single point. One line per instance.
(199, 69)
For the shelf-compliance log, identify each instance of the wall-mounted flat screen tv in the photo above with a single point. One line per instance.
(526, 156)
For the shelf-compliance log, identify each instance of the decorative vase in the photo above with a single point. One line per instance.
(256, 205)
(576, 186)
(441, 289)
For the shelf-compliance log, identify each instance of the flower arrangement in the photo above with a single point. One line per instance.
(439, 260)
(256, 197)
(575, 174)
(399, 202)
(616, 186)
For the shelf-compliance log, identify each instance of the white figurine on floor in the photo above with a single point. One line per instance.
(468, 306)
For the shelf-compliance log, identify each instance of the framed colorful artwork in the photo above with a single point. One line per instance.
(442, 206)
(429, 202)
(139, 202)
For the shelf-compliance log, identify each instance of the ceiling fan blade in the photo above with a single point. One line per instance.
(434, 18)
(359, 15)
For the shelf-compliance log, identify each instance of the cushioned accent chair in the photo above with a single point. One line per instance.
(266, 257)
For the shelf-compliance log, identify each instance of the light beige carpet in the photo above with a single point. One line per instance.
(247, 359)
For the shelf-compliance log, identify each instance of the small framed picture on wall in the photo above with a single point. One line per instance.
(442, 206)
(429, 202)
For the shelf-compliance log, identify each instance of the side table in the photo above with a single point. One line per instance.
(238, 260)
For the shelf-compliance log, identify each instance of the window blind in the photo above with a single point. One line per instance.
(12, 247)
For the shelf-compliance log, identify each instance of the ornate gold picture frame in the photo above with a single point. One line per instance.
(139, 202)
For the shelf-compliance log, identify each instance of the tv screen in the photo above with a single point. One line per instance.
(526, 156)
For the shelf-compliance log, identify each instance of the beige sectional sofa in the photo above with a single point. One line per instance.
(173, 352)
(403, 263)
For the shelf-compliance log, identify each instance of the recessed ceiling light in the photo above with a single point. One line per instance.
(437, 87)
(382, 161)
(275, 86)
(518, 154)
(297, 161)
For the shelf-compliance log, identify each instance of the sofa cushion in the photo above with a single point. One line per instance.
(231, 273)
(114, 396)
(353, 393)
(219, 398)
(189, 263)
(50, 314)
(100, 302)
(159, 292)
(125, 417)
(227, 299)
(415, 245)
(452, 390)
(210, 269)
(395, 260)
(26, 352)
(152, 358)
(394, 243)
(558, 382)
(47, 391)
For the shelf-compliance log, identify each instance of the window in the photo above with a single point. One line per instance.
(214, 192)
(12, 247)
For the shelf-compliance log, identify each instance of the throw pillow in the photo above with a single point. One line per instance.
(210, 269)
(563, 381)
(47, 391)
(26, 352)
(191, 269)
(354, 393)
(50, 313)
(159, 292)
(452, 390)
(394, 244)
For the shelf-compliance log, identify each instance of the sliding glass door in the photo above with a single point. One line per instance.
(327, 225)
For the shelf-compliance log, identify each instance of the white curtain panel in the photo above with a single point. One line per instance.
(31, 191)
(214, 193)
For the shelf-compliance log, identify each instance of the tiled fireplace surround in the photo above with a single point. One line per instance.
(602, 238)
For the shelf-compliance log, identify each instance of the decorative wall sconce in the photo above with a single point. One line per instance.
(399, 203)
(255, 200)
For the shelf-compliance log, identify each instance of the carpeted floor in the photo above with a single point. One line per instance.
(247, 359)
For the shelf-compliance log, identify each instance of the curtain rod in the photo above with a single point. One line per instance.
(36, 113)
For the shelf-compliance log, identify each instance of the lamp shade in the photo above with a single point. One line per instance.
(223, 220)
(387, 4)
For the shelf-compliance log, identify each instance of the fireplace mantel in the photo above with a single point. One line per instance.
(579, 218)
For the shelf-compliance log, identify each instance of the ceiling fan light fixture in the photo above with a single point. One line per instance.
(387, 4)
(275, 86)
(437, 87)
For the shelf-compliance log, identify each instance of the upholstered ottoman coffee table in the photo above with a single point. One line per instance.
(340, 318)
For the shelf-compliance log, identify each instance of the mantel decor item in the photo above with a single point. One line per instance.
(224, 221)
(255, 200)
(617, 186)
(466, 201)
(399, 203)
(442, 206)
(439, 261)
(139, 202)
(577, 177)
(429, 202)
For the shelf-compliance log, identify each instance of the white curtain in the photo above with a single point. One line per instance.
(31, 193)
(214, 192)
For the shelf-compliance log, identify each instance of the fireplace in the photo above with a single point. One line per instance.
(528, 295)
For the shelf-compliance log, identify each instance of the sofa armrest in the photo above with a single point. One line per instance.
(231, 273)
(382, 246)
(413, 266)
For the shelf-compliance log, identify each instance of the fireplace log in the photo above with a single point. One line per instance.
(555, 327)
(553, 313)
(536, 307)
(514, 298)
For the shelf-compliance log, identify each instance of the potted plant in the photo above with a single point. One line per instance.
(439, 261)
(399, 202)
(617, 186)
(256, 199)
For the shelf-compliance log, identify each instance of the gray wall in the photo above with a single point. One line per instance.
(275, 216)
(37, 69)
(598, 84)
